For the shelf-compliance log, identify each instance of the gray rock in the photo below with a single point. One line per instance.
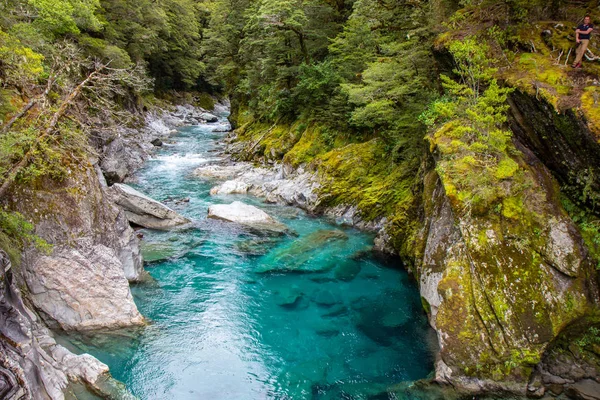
(245, 214)
(144, 211)
(222, 171)
(33, 365)
(157, 142)
(82, 289)
(586, 389)
(230, 187)
(208, 117)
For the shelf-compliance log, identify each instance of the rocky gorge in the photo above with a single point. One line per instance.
(82, 282)
(398, 199)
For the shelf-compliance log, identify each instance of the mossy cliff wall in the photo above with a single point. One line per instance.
(501, 281)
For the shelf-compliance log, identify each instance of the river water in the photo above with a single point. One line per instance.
(228, 322)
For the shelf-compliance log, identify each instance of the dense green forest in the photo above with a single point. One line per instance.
(350, 88)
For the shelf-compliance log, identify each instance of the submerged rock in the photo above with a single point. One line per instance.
(246, 215)
(144, 211)
(347, 271)
(256, 246)
(288, 297)
(324, 297)
(297, 256)
(153, 252)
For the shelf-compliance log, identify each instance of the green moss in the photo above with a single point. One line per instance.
(591, 108)
(206, 101)
(13, 251)
(362, 175)
(426, 305)
(506, 168)
(311, 144)
(512, 207)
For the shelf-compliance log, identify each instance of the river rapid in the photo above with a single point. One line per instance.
(226, 323)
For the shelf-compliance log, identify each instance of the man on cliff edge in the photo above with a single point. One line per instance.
(582, 36)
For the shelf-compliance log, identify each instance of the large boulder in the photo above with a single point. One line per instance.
(311, 253)
(498, 288)
(144, 211)
(246, 215)
(81, 283)
(33, 365)
(222, 171)
(208, 117)
(82, 289)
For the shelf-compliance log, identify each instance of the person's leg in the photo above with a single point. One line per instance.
(581, 51)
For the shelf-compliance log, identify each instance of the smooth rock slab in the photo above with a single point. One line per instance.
(208, 117)
(245, 214)
(144, 211)
(222, 171)
(83, 290)
(230, 187)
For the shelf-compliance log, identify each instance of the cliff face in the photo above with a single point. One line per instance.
(82, 283)
(32, 364)
(500, 290)
(501, 285)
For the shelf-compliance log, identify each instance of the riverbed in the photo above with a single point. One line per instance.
(229, 319)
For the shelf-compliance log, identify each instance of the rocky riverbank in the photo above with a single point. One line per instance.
(280, 183)
(82, 282)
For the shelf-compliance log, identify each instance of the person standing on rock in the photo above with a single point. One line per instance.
(582, 36)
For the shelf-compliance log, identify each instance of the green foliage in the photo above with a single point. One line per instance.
(167, 35)
(476, 150)
(59, 17)
(589, 227)
(18, 232)
(20, 64)
(591, 337)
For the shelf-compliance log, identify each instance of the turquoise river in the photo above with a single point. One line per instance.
(222, 325)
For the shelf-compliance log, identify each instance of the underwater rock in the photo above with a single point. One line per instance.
(296, 256)
(395, 319)
(347, 271)
(336, 311)
(326, 298)
(287, 297)
(144, 211)
(153, 252)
